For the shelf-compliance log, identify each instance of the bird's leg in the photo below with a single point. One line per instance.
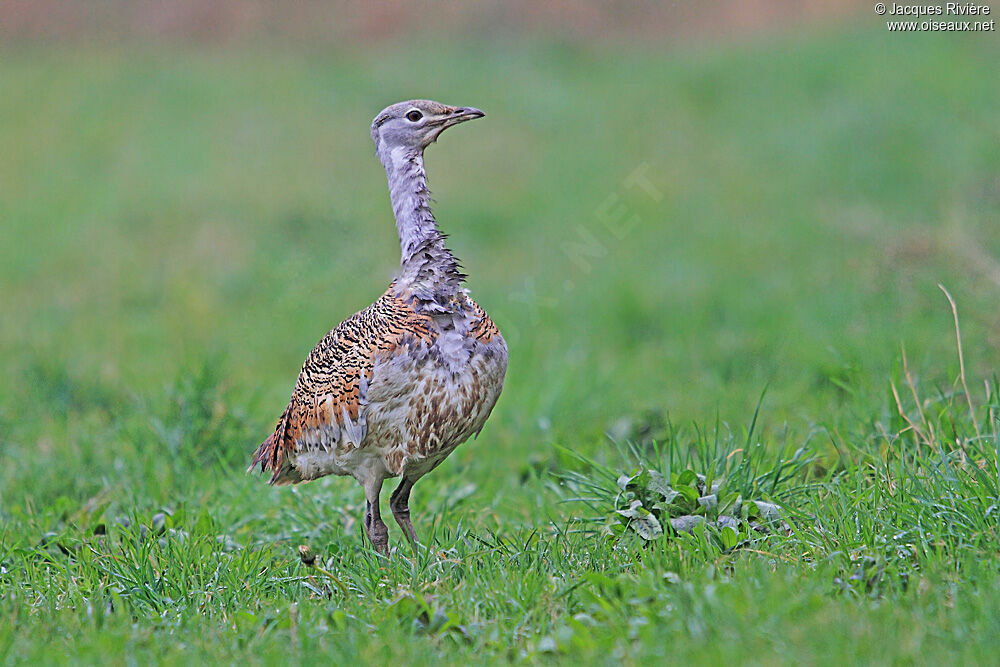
(375, 528)
(398, 503)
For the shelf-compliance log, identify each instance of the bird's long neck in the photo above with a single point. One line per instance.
(427, 267)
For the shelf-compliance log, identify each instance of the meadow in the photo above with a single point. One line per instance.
(706, 260)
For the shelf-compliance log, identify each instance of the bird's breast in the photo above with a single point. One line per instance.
(429, 398)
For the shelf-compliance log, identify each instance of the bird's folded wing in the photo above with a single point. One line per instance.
(483, 329)
(327, 408)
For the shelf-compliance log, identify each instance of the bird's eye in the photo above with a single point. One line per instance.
(414, 116)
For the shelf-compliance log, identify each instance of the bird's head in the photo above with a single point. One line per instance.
(414, 125)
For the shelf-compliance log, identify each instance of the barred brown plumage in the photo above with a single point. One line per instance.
(393, 389)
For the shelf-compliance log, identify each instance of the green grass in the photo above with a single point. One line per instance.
(180, 229)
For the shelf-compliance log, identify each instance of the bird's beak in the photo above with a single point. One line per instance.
(453, 116)
(467, 113)
(459, 115)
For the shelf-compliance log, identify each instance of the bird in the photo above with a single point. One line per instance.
(395, 388)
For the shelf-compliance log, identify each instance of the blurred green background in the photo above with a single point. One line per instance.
(195, 194)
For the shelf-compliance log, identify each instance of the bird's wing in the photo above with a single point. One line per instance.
(329, 397)
(483, 329)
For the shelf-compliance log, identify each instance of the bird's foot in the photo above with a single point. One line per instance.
(380, 540)
(376, 531)
(404, 522)
(399, 504)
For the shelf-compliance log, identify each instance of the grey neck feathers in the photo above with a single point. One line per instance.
(428, 270)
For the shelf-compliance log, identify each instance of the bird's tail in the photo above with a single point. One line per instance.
(271, 455)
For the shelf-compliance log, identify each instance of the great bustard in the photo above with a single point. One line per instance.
(396, 387)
